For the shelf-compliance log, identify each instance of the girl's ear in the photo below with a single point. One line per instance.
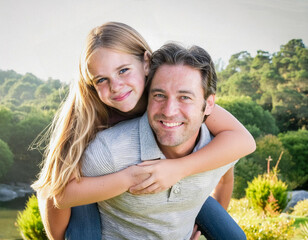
(146, 62)
(210, 103)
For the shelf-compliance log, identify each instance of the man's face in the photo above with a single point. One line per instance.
(176, 105)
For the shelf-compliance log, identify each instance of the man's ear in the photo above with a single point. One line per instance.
(146, 62)
(210, 103)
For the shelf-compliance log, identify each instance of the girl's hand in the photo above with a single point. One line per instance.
(136, 175)
(164, 173)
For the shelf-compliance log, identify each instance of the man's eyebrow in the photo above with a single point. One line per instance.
(187, 92)
(157, 90)
(180, 91)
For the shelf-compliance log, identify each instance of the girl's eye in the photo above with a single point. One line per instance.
(123, 70)
(101, 80)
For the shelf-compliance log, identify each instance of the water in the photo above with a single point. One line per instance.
(8, 215)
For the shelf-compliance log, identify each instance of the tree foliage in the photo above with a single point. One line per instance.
(6, 158)
(257, 120)
(296, 142)
(267, 92)
(27, 105)
(278, 82)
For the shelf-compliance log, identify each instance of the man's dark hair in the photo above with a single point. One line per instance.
(195, 57)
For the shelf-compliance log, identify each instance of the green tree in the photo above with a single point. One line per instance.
(278, 82)
(296, 143)
(262, 58)
(245, 171)
(43, 91)
(22, 91)
(257, 120)
(26, 161)
(8, 75)
(6, 86)
(270, 145)
(289, 109)
(240, 84)
(31, 79)
(6, 123)
(6, 158)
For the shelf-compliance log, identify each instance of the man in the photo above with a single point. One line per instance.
(181, 87)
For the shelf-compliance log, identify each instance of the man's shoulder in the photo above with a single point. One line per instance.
(118, 131)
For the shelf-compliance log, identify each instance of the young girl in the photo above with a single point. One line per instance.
(111, 89)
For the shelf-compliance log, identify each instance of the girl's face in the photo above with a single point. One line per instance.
(119, 78)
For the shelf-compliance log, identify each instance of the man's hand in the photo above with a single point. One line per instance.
(195, 234)
(163, 174)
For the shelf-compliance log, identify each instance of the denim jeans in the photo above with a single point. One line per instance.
(213, 221)
(85, 223)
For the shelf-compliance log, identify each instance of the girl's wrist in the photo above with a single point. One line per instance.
(127, 179)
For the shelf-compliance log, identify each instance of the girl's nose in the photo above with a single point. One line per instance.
(116, 84)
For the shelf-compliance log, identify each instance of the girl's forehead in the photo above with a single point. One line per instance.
(104, 60)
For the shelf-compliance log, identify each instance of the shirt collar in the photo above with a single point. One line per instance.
(148, 145)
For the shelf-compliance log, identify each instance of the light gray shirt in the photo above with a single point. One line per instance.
(167, 215)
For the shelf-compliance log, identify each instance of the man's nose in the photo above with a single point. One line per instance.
(170, 107)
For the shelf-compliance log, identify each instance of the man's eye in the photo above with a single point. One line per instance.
(159, 96)
(123, 70)
(185, 98)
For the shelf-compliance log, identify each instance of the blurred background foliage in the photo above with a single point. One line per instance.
(268, 93)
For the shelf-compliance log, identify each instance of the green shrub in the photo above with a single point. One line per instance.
(303, 231)
(260, 227)
(267, 194)
(301, 209)
(29, 221)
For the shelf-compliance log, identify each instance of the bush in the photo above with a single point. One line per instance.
(301, 209)
(257, 226)
(302, 231)
(29, 221)
(267, 194)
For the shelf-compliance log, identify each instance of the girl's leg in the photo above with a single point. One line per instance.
(85, 223)
(215, 223)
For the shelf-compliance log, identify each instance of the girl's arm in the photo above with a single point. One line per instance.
(55, 220)
(94, 189)
(231, 142)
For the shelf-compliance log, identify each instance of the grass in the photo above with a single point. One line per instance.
(8, 230)
(8, 215)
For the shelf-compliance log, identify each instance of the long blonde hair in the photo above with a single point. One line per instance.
(82, 114)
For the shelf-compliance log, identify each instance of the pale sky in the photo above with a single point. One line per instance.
(47, 37)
